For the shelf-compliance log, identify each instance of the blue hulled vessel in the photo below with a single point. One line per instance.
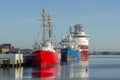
(74, 44)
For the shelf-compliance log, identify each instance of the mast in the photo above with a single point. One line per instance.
(44, 27)
(50, 27)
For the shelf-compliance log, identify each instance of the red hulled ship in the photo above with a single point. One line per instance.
(44, 53)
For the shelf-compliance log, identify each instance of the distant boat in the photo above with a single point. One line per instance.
(45, 54)
(74, 45)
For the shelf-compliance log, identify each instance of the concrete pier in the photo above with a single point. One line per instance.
(11, 59)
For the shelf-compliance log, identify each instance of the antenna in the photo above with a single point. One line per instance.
(70, 30)
(49, 26)
(44, 27)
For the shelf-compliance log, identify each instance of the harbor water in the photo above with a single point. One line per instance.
(98, 67)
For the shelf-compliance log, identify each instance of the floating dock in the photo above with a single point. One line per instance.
(11, 59)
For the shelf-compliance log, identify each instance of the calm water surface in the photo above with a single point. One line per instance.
(99, 67)
(104, 67)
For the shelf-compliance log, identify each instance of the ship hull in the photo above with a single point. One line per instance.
(84, 52)
(69, 54)
(42, 57)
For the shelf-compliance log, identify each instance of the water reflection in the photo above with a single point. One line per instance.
(46, 72)
(75, 70)
(84, 69)
(14, 73)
